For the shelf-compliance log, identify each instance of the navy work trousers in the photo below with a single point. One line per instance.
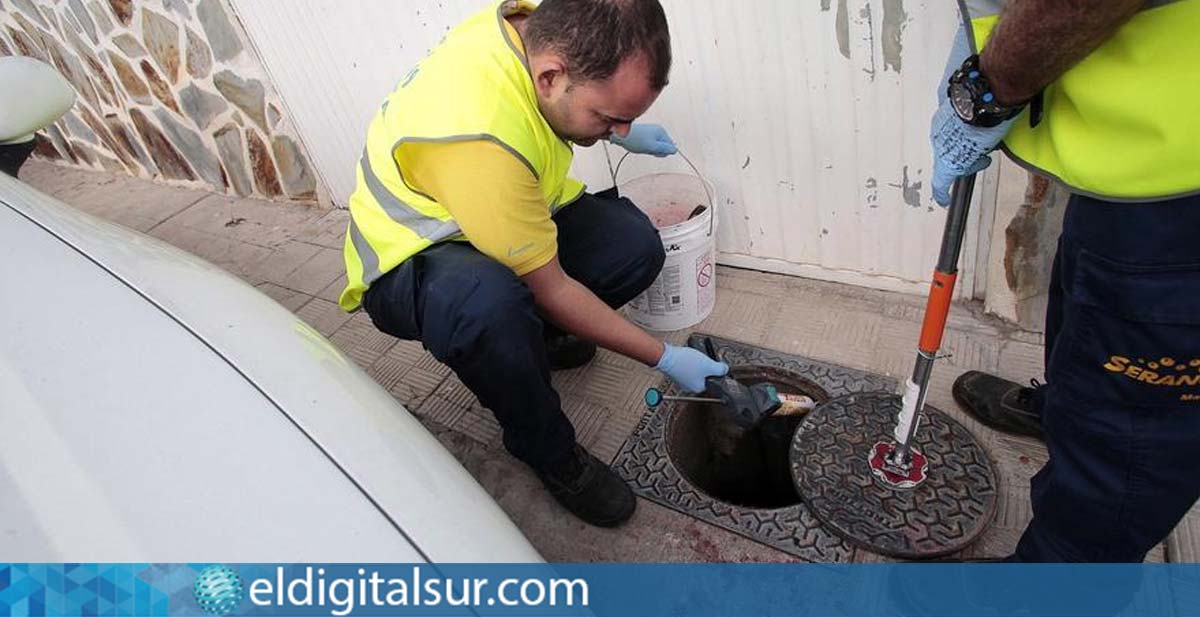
(1121, 407)
(477, 317)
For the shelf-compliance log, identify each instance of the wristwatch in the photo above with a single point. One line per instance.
(973, 100)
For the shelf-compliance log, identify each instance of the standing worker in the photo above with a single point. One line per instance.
(1103, 95)
(467, 234)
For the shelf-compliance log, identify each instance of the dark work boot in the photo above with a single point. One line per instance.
(1003, 405)
(589, 489)
(567, 351)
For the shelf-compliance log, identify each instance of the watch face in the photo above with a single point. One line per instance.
(963, 103)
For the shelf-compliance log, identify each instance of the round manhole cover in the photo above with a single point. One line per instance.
(942, 515)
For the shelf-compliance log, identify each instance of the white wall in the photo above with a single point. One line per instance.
(808, 148)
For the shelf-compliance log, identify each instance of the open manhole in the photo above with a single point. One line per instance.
(744, 468)
(667, 459)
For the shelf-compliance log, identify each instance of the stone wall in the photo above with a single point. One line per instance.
(167, 89)
(1024, 235)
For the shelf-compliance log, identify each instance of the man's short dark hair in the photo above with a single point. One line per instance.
(595, 36)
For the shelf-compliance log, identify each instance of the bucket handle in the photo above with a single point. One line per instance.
(614, 172)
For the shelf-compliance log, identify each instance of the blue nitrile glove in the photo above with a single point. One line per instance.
(646, 139)
(688, 367)
(959, 149)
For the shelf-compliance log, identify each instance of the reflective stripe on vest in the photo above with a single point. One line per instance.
(1124, 123)
(473, 86)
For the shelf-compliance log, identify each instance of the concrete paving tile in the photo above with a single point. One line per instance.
(1025, 336)
(634, 402)
(746, 281)
(568, 383)
(896, 348)
(387, 372)
(457, 393)
(441, 411)
(323, 316)
(800, 329)
(429, 363)
(133, 220)
(283, 261)
(257, 221)
(741, 316)
(607, 382)
(320, 271)
(132, 200)
(940, 383)
(609, 379)
(480, 425)
(191, 240)
(1014, 509)
(588, 418)
(54, 180)
(359, 339)
(333, 291)
(850, 338)
(83, 183)
(617, 428)
(328, 231)
(236, 257)
(1183, 545)
(232, 255)
(995, 543)
(291, 299)
(415, 387)
(905, 312)
(1021, 362)
(970, 350)
(407, 353)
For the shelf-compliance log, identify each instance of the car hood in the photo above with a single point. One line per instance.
(247, 410)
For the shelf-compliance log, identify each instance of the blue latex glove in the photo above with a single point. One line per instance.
(959, 149)
(646, 139)
(688, 368)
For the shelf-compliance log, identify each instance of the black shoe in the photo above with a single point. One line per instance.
(589, 489)
(567, 351)
(999, 403)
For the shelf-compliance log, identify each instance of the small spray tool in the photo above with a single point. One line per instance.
(792, 404)
(747, 406)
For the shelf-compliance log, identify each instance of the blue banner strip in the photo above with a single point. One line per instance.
(616, 590)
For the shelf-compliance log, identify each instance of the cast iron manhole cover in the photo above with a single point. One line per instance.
(942, 515)
(645, 464)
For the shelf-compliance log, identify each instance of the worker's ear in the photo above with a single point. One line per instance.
(549, 75)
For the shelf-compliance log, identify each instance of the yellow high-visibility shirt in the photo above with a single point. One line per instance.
(493, 196)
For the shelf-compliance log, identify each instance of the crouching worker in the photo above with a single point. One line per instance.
(467, 234)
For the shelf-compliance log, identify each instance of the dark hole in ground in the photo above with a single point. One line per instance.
(749, 469)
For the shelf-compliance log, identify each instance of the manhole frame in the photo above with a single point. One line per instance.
(644, 464)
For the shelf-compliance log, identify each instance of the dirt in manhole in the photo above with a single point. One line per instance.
(756, 471)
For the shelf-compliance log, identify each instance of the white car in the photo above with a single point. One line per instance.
(154, 408)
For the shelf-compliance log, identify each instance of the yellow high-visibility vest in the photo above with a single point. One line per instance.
(475, 85)
(1123, 124)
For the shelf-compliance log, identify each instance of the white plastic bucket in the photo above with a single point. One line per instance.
(685, 291)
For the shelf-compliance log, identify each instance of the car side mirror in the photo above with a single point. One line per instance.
(32, 96)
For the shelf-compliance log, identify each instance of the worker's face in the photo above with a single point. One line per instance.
(587, 111)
